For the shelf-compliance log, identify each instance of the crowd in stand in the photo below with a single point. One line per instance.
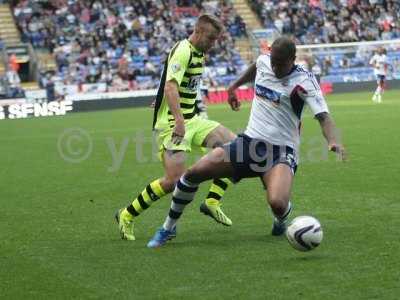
(335, 21)
(331, 21)
(122, 43)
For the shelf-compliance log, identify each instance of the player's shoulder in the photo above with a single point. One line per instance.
(263, 63)
(301, 72)
(264, 59)
(181, 48)
(304, 77)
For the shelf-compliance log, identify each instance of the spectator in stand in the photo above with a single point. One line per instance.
(46, 82)
(50, 89)
(14, 84)
(13, 63)
(3, 87)
(91, 34)
(322, 21)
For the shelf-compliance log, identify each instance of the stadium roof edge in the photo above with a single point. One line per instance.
(334, 45)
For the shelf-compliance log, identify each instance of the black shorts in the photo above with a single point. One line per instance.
(254, 157)
(380, 78)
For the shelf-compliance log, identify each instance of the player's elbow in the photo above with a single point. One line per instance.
(322, 117)
(170, 87)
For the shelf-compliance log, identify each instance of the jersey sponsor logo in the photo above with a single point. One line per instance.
(268, 94)
(194, 82)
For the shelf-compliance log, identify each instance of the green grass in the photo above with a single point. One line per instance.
(58, 238)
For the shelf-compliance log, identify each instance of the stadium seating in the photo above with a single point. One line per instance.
(346, 66)
(321, 22)
(124, 43)
(93, 43)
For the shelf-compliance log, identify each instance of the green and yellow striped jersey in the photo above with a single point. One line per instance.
(185, 66)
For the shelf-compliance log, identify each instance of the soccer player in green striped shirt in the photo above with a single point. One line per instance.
(179, 128)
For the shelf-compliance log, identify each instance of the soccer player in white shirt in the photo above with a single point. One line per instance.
(201, 106)
(379, 62)
(317, 71)
(269, 146)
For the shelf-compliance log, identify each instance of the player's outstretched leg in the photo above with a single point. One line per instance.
(210, 166)
(183, 194)
(174, 168)
(279, 182)
(280, 222)
(212, 205)
(144, 200)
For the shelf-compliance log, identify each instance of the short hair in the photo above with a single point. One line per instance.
(210, 19)
(285, 46)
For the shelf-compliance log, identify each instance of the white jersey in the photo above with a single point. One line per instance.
(278, 104)
(379, 61)
(316, 69)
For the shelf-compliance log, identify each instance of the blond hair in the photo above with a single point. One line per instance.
(210, 19)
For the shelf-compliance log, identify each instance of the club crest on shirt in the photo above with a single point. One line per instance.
(175, 67)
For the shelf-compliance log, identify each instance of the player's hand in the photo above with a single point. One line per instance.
(179, 132)
(233, 100)
(339, 150)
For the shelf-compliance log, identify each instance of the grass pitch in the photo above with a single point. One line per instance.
(62, 179)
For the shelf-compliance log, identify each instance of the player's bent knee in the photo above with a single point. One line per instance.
(232, 136)
(198, 173)
(207, 167)
(167, 185)
(168, 182)
(219, 136)
(226, 135)
(194, 175)
(278, 204)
